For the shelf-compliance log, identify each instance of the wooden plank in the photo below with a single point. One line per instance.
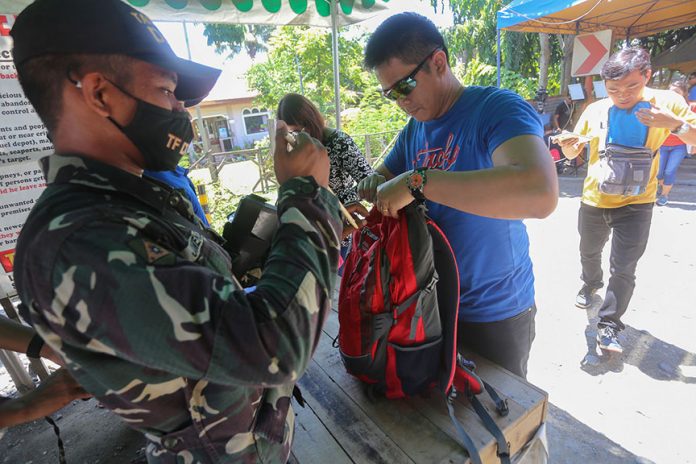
(417, 437)
(313, 442)
(355, 431)
(527, 405)
(511, 424)
(515, 387)
(442, 443)
(533, 399)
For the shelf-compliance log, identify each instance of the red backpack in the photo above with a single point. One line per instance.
(398, 307)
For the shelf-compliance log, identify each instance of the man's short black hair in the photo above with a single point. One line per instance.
(406, 36)
(624, 62)
(43, 78)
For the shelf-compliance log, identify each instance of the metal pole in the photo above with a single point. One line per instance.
(201, 127)
(334, 43)
(37, 364)
(498, 55)
(16, 370)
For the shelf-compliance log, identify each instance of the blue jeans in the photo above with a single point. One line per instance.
(670, 159)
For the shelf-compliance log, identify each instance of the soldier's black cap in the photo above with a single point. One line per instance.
(104, 27)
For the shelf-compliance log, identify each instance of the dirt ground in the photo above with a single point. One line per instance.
(634, 408)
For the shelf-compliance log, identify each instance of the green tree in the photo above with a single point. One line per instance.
(230, 38)
(473, 40)
(296, 51)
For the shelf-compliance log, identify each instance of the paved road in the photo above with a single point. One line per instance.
(638, 407)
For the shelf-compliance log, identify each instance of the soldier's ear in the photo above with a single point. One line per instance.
(98, 93)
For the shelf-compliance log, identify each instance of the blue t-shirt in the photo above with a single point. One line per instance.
(692, 94)
(625, 128)
(495, 270)
(178, 180)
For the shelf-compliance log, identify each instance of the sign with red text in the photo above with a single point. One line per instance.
(23, 140)
(590, 52)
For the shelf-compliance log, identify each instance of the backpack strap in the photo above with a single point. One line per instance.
(465, 439)
(503, 446)
(501, 405)
(466, 380)
(400, 308)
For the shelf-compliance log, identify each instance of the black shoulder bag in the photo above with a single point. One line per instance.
(624, 170)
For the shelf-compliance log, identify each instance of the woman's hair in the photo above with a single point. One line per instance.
(297, 110)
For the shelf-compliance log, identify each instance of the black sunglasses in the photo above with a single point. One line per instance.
(406, 85)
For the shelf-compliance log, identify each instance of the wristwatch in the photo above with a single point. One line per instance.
(416, 181)
(682, 129)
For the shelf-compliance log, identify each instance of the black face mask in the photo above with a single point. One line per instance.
(161, 135)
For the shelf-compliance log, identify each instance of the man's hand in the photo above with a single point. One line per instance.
(308, 157)
(367, 188)
(393, 195)
(657, 117)
(359, 212)
(571, 146)
(53, 394)
(48, 353)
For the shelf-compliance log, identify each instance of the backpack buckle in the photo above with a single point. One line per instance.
(451, 395)
(432, 285)
(465, 363)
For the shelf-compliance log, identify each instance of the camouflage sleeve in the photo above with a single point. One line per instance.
(157, 310)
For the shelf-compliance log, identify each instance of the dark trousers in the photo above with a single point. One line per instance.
(506, 343)
(631, 227)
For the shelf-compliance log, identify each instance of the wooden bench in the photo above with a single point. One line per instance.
(341, 424)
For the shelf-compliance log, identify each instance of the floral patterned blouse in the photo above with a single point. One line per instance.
(348, 166)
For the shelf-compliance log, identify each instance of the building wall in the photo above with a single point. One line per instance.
(233, 111)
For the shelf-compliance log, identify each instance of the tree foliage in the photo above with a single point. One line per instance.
(301, 51)
(473, 45)
(230, 38)
(662, 41)
(473, 40)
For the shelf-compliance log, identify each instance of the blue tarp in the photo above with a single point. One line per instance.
(520, 11)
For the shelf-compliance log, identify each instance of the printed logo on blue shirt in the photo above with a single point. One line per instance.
(438, 158)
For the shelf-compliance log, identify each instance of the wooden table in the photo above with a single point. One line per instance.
(340, 424)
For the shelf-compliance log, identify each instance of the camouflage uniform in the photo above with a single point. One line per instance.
(139, 299)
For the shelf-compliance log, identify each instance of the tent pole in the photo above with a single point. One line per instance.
(199, 122)
(498, 55)
(334, 47)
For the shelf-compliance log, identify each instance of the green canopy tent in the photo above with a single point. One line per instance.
(320, 13)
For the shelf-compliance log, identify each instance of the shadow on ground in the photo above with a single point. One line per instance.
(587, 445)
(654, 357)
(570, 186)
(95, 436)
(90, 435)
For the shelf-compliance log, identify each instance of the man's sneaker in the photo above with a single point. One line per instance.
(608, 340)
(661, 200)
(584, 298)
